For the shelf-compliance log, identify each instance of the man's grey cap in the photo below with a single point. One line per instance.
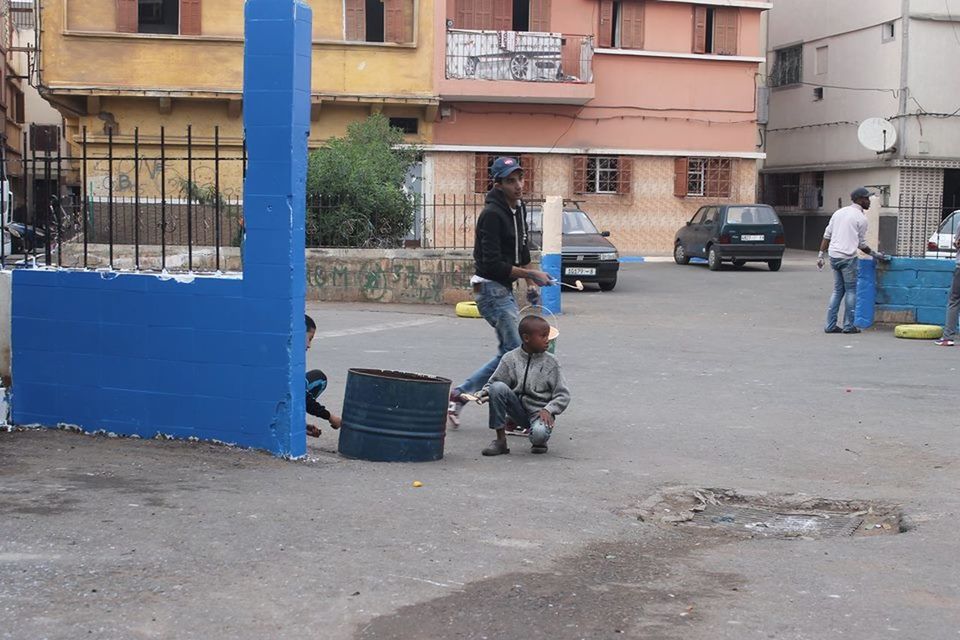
(861, 192)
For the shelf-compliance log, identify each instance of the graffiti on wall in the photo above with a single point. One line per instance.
(408, 280)
(153, 173)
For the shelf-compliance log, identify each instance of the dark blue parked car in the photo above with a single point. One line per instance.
(737, 233)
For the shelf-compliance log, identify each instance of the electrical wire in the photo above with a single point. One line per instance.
(953, 26)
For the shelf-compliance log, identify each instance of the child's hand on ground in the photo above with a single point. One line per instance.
(335, 421)
(547, 417)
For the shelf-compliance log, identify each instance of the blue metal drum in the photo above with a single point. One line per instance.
(393, 416)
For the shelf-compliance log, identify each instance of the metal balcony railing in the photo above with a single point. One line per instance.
(519, 55)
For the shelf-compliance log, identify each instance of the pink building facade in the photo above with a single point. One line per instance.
(640, 110)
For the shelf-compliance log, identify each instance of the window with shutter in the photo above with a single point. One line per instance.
(473, 14)
(680, 177)
(540, 15)
(127, 16)
(395, 25)
(378, 21)
(355, 20)
(631, 24)
(699, 29)
(503, 15)
(725, 31)
(190, 17)
(481, 173)
(717, 177)
(579, 174)
(157, 16)
(605, 35)
(708, 177)
(529, 165)
(624, 174)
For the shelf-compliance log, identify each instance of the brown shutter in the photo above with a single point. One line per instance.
(463, 14)
(190, 17)
(725, 33)
(481, 175)
(540, 15)
(631, 24)
(699, 29)
(128, 16)
(528, 163)
(475, 14)
(503, 15)
(680, 177)
(355, 21)
(624, 174)
(394, 29)
(606, 23)
(579, 174)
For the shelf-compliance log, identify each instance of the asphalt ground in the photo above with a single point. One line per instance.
(681, 376)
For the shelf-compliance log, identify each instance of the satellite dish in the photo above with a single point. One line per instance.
(877, 134)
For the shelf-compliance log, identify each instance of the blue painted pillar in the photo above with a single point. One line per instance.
(276, 119)
(866, 293)
(551, 250)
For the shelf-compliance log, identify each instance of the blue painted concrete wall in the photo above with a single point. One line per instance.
(915, 284)
(212, 358)
(866, 293)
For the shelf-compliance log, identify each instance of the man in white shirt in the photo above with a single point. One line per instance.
(845, 235)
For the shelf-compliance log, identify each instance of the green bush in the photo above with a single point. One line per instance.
(355, 195)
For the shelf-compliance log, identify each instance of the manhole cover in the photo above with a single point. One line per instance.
(767, 515)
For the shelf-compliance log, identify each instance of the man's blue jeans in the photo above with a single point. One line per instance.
(844, 289)
(499, 308)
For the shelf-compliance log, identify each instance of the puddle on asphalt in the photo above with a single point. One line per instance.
(726, 512)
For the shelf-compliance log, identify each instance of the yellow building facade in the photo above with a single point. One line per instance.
(116, 67)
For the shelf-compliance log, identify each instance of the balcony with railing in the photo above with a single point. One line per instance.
(518, 66)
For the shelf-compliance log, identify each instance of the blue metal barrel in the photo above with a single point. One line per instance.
(393, 416)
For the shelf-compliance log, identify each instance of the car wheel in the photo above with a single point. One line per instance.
(713, 259)
(607, 286)
(680, 254)
(774, 264)
(739, 263)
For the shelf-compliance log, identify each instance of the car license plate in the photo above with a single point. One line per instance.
(580, 271)
(748, 238)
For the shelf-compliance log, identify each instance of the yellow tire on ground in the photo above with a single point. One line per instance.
(468, 310)
(918, 331)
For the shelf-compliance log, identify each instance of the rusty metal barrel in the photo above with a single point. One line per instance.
(393, 416)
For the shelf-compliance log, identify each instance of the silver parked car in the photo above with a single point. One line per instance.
(940, 244)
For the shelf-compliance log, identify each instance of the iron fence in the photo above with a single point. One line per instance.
(144, 202)
(440, 221)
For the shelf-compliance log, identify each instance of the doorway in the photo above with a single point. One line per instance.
(951, 192)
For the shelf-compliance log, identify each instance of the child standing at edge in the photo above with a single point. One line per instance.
(527, 387)
(316, 384)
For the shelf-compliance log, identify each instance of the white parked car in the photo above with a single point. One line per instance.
(940, 244)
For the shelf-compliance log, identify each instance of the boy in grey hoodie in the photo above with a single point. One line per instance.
(528, 388)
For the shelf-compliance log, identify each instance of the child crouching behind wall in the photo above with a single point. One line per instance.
(316, 384)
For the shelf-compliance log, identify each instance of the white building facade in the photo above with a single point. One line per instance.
(830, 66)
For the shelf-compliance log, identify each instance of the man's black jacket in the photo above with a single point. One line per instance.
(501, 239)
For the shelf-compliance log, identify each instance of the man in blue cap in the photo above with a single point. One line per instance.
(502, 256)
(846, 234)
